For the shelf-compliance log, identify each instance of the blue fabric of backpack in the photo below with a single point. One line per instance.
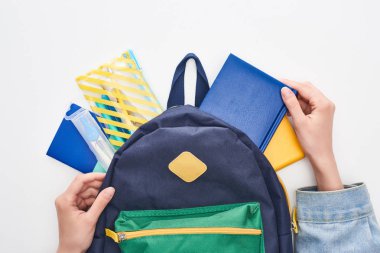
(237, 171)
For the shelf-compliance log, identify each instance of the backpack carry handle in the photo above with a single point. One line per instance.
(177, 92)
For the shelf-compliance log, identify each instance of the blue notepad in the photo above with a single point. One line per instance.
(248, 99)
(70, 148)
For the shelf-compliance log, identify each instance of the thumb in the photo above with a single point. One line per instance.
(101, 201)
(292, 104)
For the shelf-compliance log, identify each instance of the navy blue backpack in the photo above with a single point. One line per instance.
(143, 175)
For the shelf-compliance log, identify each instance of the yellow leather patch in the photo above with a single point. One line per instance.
(187, 167)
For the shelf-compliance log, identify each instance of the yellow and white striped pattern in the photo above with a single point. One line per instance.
(121, 85)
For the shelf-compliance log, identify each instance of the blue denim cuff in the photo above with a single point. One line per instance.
(351, 203)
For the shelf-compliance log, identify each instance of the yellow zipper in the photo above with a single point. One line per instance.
(121, 236)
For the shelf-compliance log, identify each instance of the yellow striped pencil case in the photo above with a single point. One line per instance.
(119, 94)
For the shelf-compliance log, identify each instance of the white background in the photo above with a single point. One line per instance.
(44, 45)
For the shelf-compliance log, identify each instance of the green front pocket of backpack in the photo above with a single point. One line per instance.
(235, 228)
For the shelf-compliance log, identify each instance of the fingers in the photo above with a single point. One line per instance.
(292, 104)
(100, 203)
(289, 82)
(93, 184)
(89, 192)
(312, 98)
(83, 187)
(87, 196)
(89, 201)
(306, 90)
(83, 179)
(84, 204)
(305, 106)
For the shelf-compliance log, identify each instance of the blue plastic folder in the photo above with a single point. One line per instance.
(69, 147)
(248, 99)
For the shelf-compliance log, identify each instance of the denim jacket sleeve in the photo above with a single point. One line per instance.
(336, 221)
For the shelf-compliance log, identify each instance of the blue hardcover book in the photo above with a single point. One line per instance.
(248, 99)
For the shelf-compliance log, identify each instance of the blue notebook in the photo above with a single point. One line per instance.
(248, 99)
(70, 148)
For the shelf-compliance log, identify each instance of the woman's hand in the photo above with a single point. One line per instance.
(78, 210)
(313, 115)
